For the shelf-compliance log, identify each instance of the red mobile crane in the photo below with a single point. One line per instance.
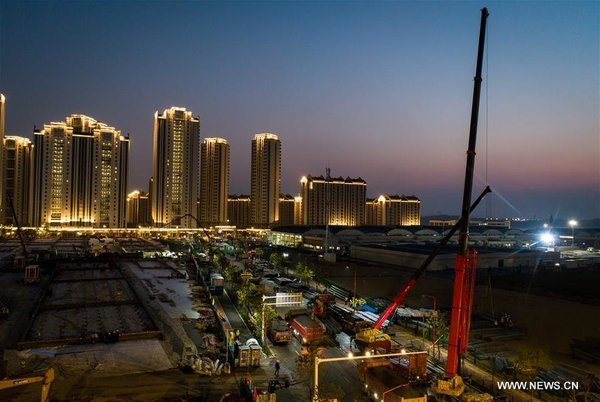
(465, 264)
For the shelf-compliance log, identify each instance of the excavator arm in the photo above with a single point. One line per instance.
(47, 379)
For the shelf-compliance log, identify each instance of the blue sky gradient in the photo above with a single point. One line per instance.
(380, 90)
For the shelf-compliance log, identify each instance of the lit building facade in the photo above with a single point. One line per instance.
(2, 118)
(16, 178)
(214, 182)
(80, 174)
(410, 210)
(238, 210)
(393, 210)
(138, 209)
(265, 180)
(373, 212)
(286, 209)
(342, 200)
(175, 168)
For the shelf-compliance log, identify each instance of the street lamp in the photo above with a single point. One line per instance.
(433, 324)
(572, 223)
(350, 356)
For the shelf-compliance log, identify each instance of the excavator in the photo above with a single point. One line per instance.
(451, 384)
(47, 379)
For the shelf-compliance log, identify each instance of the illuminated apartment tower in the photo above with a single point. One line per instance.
(394, 210)
(265, 180)
(344, 198)
(138, 209)
(410, 214)
(2, 118)
(238, 210)
(175, 168)
(290, 210)
(214, 182)
(80, 174)
(16, 178)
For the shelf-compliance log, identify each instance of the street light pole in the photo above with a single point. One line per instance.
(433, 324)
(572, 223)
(350, 356)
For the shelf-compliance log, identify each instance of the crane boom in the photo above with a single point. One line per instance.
(464, 266)
(419, 272)
(19, 232)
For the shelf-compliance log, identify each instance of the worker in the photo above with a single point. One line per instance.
(277, 367)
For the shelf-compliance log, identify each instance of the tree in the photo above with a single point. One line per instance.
(259, 252)
(276, 259)
(356, 302)
(439, 331)
(270, 315)
(249, 296)
(305, 273)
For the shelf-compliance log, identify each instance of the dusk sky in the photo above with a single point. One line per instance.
(380, 90)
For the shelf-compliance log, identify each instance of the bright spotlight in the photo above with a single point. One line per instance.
(350, 355)
(547, 238)
(572, 222)
(368, 354)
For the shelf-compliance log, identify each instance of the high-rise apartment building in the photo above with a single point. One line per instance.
(286, 209)
(175, 168)
(373, 212)
(290, 210)
(214, 182)
(410, 211)
(16, 178)
(138, 209)
(394, 210)
(80, 174)
(336, 201)
(2, 118)
(265, 180)
(238, 210)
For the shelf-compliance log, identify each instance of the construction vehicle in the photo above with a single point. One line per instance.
(465, 265)
(375, 336)
(47, 379)
(279, 331)
(305, 328)
(451, 384)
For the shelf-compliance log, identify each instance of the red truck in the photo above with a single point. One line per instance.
(306, 329)
(382, 382)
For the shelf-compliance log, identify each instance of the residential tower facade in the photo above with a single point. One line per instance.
(17, 179)
(333, 201)
(175, 168)
(265, 180)
(80, 169)
(214, 182)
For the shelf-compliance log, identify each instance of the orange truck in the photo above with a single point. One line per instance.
(279, 331)
(306, 329)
